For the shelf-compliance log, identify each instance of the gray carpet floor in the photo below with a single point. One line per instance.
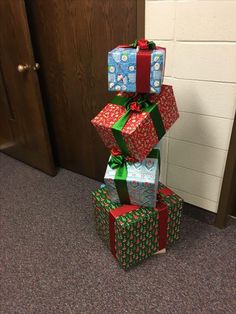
(52, 261)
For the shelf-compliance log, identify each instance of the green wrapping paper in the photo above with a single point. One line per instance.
(138, 234)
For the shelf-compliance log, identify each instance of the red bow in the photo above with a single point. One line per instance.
(143, 44)
(130, 159)
(134, 106)
(115, 152)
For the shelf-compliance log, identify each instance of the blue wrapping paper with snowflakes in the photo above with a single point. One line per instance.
(136, 70)
(141, 182)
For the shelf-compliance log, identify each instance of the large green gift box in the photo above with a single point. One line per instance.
(134, 233)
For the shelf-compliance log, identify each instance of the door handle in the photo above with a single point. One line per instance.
(27, 67)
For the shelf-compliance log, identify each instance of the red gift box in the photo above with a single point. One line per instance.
(143, 127)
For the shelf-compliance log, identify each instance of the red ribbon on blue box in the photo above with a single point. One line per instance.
(143, 63)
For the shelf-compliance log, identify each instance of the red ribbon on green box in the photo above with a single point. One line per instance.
(123, 210)
(138, 103)
(165, 192)
(119, 162)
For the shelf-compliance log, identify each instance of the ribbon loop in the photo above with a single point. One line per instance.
(143, 44)
(138, 103)
(134, 106)
(116, 162)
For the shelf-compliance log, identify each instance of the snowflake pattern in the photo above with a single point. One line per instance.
(122, 69)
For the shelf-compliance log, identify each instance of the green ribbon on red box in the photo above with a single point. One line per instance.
(138, 103)
(119, 162)
(162, 210)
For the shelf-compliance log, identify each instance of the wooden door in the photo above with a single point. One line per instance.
(72, 39)
(23, 131)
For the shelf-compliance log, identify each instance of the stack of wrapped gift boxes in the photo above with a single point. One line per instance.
(136, 215)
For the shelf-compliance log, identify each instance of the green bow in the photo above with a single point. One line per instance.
(117, 161)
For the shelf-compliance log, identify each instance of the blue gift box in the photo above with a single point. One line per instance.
(122, 66)
(142, 180)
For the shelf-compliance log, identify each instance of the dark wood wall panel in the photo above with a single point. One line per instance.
(71, 40)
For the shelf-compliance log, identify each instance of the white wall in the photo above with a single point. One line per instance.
(200, 37)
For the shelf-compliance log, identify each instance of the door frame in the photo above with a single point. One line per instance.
(227, 202)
